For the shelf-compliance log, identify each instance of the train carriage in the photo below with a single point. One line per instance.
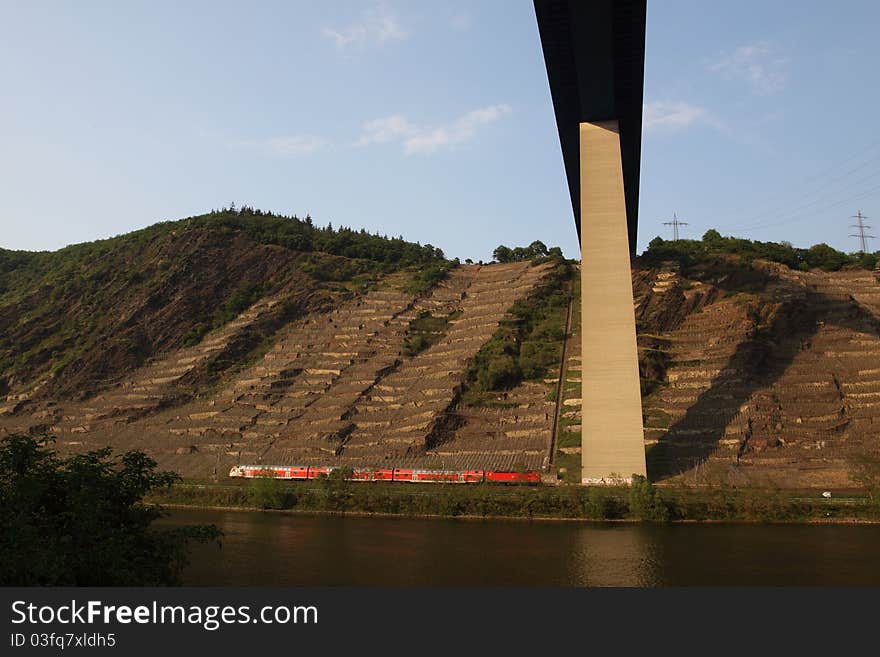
(410, 475)
(528, 477)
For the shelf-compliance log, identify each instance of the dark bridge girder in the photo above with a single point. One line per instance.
(595, 56)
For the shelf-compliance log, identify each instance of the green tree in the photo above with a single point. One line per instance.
(266, 492)
(83, 521)
(502, 254)
(501, 373)
(712, 236)
(645, 502)
(537, 249)
(826, 257)
(337, 488)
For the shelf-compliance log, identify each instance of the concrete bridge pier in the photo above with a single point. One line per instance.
(612, 445)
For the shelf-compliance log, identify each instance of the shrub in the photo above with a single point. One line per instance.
(82, 520)
(692, 252)
(266, 492)
(336, 488)
(601, 504)
(645, 502)
(528, 344)
(537, 251)
(427, 278)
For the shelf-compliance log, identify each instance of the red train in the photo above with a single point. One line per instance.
(302, 473)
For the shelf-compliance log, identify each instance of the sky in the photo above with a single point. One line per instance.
(431, 120)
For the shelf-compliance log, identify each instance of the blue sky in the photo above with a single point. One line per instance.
(428, 119)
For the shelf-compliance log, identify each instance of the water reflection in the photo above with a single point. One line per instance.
(614, 555)
(266, 549)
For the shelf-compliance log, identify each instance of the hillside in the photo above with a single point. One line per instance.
(753, 373)
(777, 381)
(74, 320)
(243, 337)
(240, 337)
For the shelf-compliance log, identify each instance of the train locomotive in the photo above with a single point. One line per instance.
(409, 475)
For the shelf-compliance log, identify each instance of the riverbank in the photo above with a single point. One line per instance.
(636, 504)
(544, 519)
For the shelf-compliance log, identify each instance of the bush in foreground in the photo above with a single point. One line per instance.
(82, 521)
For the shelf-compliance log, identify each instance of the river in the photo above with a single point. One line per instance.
(272, 549)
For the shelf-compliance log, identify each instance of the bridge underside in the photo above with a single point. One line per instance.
(594, 52)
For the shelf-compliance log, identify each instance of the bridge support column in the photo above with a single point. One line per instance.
(612, 441)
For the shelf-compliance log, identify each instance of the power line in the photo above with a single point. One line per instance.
(798, 210)
(862, 226)
(675, 223)
(800, 216)
(815, 183)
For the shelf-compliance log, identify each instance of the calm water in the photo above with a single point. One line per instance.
(267, 549)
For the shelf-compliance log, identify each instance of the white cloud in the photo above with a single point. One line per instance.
(424, 140)
(284, 146)
(759, 64)
(378, 26)
(460, 130)
(381, 131)
(673, 115)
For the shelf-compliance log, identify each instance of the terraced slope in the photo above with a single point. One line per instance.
(568, 430)
(336, 387)
(403, 417)
(750, 373)
(322, 433)
(777, 380)
(513, 435)
(339, 389)
(317, 367)
(252, 407)
(164, 381)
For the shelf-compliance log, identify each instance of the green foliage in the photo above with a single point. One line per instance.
(60, 312)
(427, 277)
(266, 492)
(692, 252)
(242, 299)
(424, 332)
(652, 369)
(196, 334)
(869, 260)
(528, 344)
(502, 254)
(501, 372)
(536, 251)
(645, 502)
(639, 502)
(602, 504)
(338, 269)
(763, 504)
(824, 257)
(415, 344)
(336, 489)
(302, 235)
(82, 521)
